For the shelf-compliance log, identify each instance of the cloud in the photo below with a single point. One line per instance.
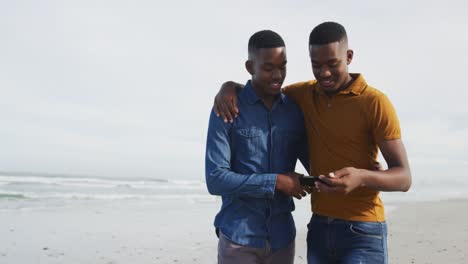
(118, 87)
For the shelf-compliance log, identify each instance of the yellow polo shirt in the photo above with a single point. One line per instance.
(343, 131)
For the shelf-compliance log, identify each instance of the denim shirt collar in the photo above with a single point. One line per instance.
(248, 94)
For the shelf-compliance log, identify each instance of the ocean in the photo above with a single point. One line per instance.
(29, 190)
(22, 191)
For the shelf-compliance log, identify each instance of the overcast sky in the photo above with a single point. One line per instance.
(124, 88)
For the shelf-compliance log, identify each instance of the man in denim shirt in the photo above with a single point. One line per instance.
(251, 162)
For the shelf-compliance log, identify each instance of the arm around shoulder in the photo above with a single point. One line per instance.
(225, 103)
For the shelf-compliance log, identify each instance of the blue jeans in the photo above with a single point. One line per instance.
(331, 240)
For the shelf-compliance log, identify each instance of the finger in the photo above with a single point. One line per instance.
(234, 102)
(308, 189)
(219, 107)
(297, 196)
(223, 111)
(315, 189)
(326, 180)
(223, 116)
(340, 173)
(330, 182)
(230, 104)
(303, 193)
(227, 111)
(231, 107)
(215, 108)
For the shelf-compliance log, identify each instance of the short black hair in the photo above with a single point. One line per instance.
(327, 32)
(265, 39)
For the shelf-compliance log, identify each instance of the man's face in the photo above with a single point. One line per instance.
(268, 69)
(330, 65)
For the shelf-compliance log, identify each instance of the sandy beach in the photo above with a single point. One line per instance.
(167, 231)
(429, 232)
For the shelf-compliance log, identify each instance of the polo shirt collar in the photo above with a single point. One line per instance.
(357, 86)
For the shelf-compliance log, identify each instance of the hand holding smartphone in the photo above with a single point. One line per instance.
(310, 180)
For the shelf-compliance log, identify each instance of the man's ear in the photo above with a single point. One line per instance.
(249, 67)
(349, 56)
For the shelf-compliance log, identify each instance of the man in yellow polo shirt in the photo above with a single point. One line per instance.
(347, 122)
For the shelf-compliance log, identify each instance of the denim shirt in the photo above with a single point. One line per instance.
(242, 163)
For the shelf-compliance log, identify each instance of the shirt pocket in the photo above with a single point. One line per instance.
(248, 140)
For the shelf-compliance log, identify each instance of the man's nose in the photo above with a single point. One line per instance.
(277, 74)
(325, 72)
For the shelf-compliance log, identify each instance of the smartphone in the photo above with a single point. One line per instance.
(309, 180)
